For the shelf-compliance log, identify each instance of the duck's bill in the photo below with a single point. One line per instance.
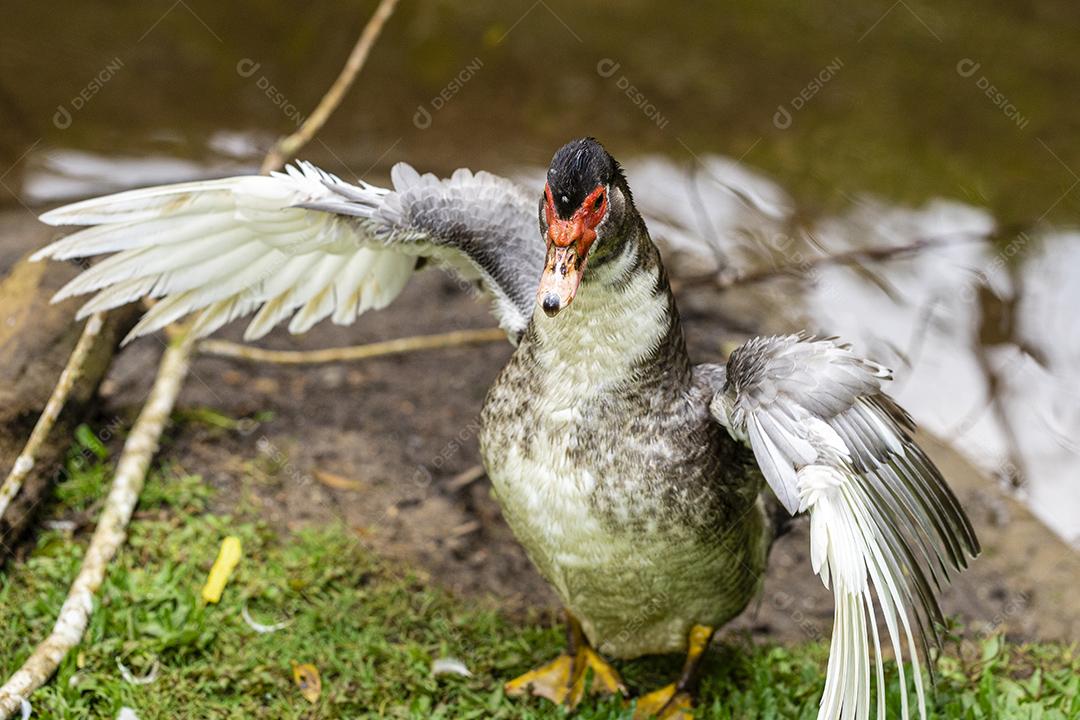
(562, 275)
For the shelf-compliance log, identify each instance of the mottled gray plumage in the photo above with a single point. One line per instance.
(667, 530)
(776, 383)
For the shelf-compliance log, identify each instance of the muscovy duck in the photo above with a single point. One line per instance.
(634, 479)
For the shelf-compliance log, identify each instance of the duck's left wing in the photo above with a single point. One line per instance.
(883, 522)
(300, 244)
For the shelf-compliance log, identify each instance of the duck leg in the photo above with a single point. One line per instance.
(563, 680)
(675, 700)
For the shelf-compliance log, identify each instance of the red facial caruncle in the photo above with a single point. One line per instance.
(580, 228)
(568, 243)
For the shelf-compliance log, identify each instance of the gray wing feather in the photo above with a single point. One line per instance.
(776, 387)
(479, 225)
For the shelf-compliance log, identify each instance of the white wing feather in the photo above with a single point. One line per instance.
(831, 444)
(224, 247)
(300, 244)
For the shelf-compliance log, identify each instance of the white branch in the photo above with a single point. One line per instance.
(288, 146)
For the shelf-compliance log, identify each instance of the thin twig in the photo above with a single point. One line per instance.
(224, 348)
(24, 463)
(466, 478)
(135, 459)
(708, 231)
(288, 146)
(851, 257)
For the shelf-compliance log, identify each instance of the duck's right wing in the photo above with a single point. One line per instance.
(884, 524)
(302, 244)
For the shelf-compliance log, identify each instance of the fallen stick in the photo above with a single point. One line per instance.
(24, 463)
(135, 459)
(224, 348)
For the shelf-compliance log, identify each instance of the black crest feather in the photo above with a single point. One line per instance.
(576, 169)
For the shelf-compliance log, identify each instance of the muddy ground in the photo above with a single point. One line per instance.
(398, 433)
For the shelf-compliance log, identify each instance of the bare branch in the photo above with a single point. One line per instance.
(223, 348)
(24, 463)
(288, 146)
(851, 257)
(466, 477)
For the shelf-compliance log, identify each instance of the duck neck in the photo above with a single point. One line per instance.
(621, 331)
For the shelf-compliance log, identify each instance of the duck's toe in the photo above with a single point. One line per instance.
(566, 679)
(667, 703)
(605, 680)
(552, 681)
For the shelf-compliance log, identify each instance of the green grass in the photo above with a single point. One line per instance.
(372, 629)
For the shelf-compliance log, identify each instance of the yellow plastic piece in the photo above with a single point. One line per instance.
(226, 562)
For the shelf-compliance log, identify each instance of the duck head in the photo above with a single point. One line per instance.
(585, 214)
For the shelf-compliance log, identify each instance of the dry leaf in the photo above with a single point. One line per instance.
(227, 559)
(306, 677)
(338, 482)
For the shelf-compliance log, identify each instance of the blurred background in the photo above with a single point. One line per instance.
(903, 174)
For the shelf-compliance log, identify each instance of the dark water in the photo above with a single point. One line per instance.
(855, 124)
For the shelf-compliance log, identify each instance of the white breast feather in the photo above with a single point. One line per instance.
(594, 343)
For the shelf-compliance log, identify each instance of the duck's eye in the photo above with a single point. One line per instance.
(599, 202)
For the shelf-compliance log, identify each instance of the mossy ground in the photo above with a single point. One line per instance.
(373, 629)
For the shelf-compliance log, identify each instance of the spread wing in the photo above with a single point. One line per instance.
(882, 520)
(301, 244)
